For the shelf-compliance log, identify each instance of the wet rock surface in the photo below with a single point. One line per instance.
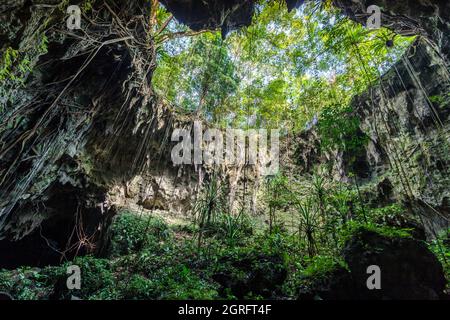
(409, 271)
(259, 275)
(65, 169)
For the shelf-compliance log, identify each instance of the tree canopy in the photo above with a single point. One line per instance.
(282, 71)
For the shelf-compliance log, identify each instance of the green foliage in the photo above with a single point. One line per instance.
(441, 248)
(341, 200)
(9, 57)
(388, 212)
(280, 72)
(199, 80)
(149, 265)
(308, 224)
(163, 268)
(323, 266)
(87, 6)
(16, 65)
(278, 197)
(138, 287)
(176, 282)
(27, 283)
(324, 214)
(185, 284)
(130, 232)
(313, 270)
(210, 205)
(442, 101)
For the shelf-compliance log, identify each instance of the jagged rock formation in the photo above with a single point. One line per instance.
(84, 120)
(258, 274)
(430, 18)
(168, 191)
(406, 117)
(225, 14)
(66, 144)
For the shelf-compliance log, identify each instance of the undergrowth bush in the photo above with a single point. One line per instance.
(146, 261)
(131, 232)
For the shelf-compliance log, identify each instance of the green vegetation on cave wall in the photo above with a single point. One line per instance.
(326, 60)
(296, 243)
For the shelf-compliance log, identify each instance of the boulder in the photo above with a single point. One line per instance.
(408, 271)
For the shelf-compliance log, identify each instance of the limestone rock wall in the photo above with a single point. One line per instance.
(406, 117)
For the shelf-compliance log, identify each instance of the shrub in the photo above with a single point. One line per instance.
(231, 229)
(355, 226)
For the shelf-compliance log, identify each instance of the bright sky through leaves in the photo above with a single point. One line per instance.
(282, 71)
